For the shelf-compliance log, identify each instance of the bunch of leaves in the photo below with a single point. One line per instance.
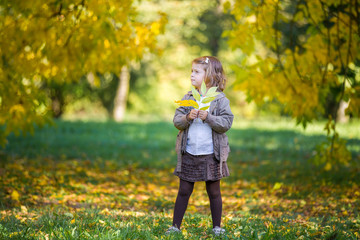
(208, 97)
(332, 153)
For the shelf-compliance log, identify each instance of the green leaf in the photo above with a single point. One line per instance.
(195, 93)
(204, 108)
(203, 88)
(211, 91)
(207, 99)
(212, 94)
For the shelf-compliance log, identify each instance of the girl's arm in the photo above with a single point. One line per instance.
(180, 118)
(223, 121)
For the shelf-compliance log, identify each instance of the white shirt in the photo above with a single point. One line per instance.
(199, 140)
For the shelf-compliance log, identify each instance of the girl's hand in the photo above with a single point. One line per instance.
(193, 114)
(203, 114)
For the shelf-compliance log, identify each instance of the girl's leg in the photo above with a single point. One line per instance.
(185, 190)
(213, 191)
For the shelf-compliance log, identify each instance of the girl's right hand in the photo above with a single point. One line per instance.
(193, 114)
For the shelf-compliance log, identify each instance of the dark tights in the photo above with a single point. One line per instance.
(185, 190)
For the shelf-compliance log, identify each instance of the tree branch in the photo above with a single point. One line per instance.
(292, 42)
(338, 39)
(278, 48)
(345, 77)
(315, 24)
(357, 16)
(328, 46)
(77, 17)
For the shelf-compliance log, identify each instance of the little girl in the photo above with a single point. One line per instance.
(202, 146)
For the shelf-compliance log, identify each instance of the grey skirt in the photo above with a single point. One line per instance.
(201, 168)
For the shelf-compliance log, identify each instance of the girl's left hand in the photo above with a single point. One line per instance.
(202, 114)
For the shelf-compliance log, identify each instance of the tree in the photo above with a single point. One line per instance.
(46, 42)
(121, 94)
(301, 52)
(192, 32)
(213, 21)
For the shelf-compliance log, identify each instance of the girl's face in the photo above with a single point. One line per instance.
(197, 75)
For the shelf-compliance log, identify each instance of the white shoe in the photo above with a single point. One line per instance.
(218, 231)
(172, 229)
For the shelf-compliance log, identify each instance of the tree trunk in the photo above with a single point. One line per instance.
(121, 95)
(57, 100)
(341, 117)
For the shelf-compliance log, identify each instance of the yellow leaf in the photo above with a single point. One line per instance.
(72, 221)
(23, 209)
(155, 28)
(15, 195)
(101, 221)
(61, 179)
(92, 224)
(18, 108)
(277, 186)
(328, 166)
(106, 43)
(43, 181)
(188, 103)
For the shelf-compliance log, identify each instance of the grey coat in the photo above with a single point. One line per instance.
(219, 118)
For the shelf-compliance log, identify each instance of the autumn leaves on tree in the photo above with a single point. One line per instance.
(301, 53)
(57, 42)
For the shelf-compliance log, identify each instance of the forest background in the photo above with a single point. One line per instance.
(75, 73)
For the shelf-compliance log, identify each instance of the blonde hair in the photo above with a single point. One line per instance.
(214, 72)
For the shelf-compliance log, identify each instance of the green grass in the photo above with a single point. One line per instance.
(104, 180)
(94, 224)
(128, 143)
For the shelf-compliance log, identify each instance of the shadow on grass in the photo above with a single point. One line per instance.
(284, 156)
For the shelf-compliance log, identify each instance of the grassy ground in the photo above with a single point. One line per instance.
(103, 180)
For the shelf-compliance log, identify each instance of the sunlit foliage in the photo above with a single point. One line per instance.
(60, 41)
(300, 53)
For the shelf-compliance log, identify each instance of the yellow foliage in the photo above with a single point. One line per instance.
(17, 109)
(98, 36)
(298, 78)
(298, 70)
(15, 195)
(187, 103)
